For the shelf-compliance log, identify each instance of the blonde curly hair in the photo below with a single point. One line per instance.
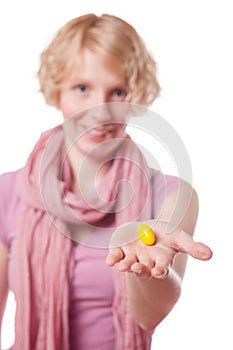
(116, 41)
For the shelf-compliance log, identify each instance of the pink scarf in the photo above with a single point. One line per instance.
(44, 249)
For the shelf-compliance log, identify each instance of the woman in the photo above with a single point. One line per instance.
(74, 210)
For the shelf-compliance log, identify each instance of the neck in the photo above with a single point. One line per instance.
(87, 172)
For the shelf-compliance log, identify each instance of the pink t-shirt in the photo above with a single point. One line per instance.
(92, 287)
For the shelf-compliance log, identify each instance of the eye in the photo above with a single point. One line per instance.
(81, 88)
(120, 93)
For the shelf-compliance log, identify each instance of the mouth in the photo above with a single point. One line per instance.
(101, 131)
(101, 134)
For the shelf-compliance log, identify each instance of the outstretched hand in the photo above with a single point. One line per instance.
(133, 255)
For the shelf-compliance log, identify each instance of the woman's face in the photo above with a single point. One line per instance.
(93, 84)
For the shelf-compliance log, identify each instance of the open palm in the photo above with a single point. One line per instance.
(133, 255)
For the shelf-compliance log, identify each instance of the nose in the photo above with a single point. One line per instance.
(99, 98)
(101, 114)
(100, 111)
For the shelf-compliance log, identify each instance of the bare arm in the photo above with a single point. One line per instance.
(3, 279)
(155, 286)
(158, 296)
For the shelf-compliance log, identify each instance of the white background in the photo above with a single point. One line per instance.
(192, 42)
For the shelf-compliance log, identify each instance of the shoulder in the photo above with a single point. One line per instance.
(178, 201)
(163, 184)
(9, 177)
(169, 191)
(8, 186)
(9, 203)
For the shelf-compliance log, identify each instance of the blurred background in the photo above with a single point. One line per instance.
(192, 43)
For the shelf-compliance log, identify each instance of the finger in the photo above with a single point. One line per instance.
(142, 271)
(185, 244)
(200, 251)
(182, 242)
(126, 263)
(114, 256)
(162, 266)
(146, 260)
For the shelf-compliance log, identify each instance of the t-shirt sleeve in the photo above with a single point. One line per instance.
(9, 204)
(162, 187)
